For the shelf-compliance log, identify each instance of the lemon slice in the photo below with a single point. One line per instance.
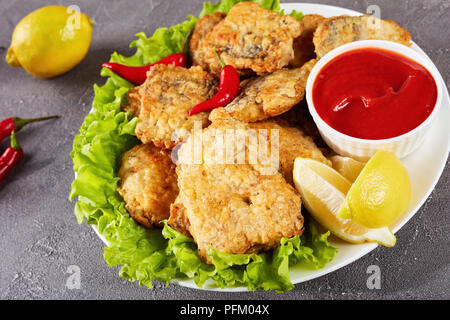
(380, 194)
(323, 192)
(348, 167)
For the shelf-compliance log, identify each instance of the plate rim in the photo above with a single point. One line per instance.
(369, 246)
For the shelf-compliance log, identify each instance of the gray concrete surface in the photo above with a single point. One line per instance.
(40, 238)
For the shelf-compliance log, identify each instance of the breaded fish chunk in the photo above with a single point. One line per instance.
(178, 219)
(303, 45)
(203, 27)
(300, 117)
(233, 207)
(134, 101)
(250, 38)
(337, 31)
(267, 96)
(293, 143)
(148, 184)
(165, 100)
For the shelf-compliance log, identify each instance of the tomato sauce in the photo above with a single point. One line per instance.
(374, 94)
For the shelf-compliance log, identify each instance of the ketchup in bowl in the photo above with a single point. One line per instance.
(374, 94)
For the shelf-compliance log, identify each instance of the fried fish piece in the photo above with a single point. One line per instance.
(178, 219)
(233, 207)
(134, 101)
(148, 184)
(337, 31)
(203, 27)
(303, 45)
(250, 38)
(268, 96)
(300, 117)
(165, 100)
(293, 143)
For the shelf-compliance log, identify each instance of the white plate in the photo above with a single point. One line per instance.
(425, 167)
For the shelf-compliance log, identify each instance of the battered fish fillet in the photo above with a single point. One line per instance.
(165, 100)
(337, 31)
(250, 38)
(178, 218)
(300, 117)
(303, 45)
(232, 207)
(268, 96)
(134, 101)
(203, 27)
(148, 184)
(293, 143)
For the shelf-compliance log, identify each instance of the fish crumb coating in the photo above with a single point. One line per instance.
(166, 98)
(293, 143)
(202, 29)
(267, 96)
(233, 208)
(148, 184)
(250, 38)
(337, 31)
(304, 49)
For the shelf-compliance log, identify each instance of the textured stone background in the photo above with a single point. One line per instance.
(40, 238)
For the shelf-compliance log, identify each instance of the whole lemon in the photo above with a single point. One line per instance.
(50, 41)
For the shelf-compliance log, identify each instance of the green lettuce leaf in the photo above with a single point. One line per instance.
(297, 14)
(145, 255)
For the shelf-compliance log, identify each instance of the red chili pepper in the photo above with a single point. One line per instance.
(10, 157)
(228, 90)
(138, 75)
(9, 125)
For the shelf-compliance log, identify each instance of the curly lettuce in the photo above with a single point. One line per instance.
(166, 255)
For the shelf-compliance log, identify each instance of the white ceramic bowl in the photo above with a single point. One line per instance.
(363, 149)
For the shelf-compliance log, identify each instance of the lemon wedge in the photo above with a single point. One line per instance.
(324, 192)
(380, 194)
(348, 167)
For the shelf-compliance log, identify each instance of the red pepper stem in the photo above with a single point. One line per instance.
(10, 157)
(20, 123)
(220, 60)
(14, 142)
